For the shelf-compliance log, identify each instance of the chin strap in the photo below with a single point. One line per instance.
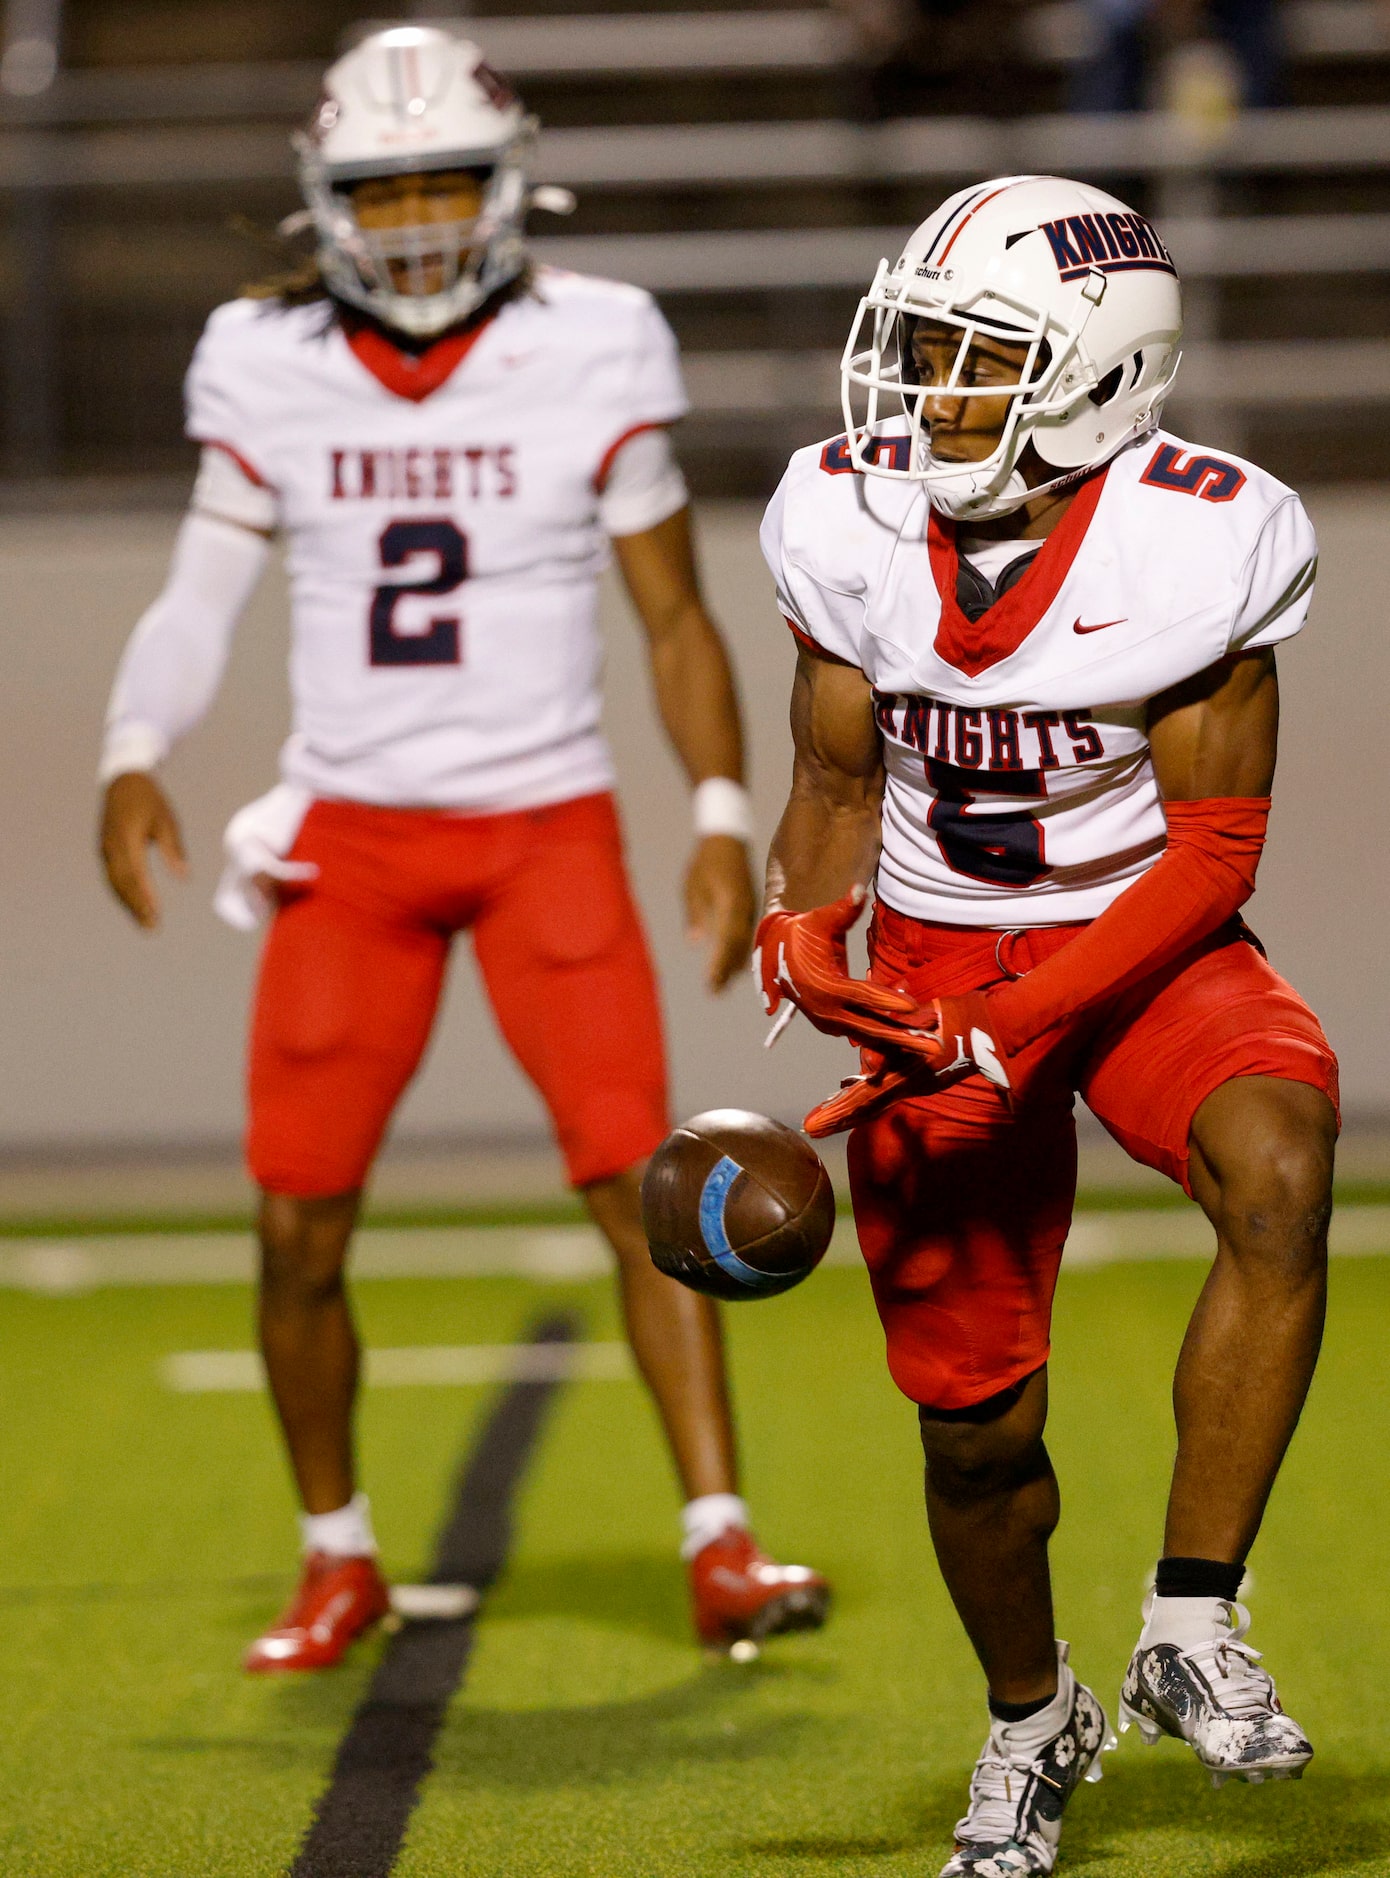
(960, 506)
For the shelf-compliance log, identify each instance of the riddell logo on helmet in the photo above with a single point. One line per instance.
(1118, 243)
(494, 87)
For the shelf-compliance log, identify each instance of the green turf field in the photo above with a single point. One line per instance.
(144, 1537)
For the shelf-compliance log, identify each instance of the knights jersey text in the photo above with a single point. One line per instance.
(1020, 790)
(443, 549)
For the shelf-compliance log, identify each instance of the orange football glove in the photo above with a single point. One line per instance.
(957, 1040)
(803, 957)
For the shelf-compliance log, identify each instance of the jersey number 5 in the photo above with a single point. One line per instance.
(438, 644)
(1002, 846)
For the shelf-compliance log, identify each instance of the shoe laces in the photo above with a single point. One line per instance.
(1231, 1666)
(997, 1787)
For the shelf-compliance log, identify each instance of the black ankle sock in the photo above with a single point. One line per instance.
(1018, 1711)
(1198, 1578)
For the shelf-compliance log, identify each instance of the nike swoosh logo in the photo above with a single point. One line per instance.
(1079, 628)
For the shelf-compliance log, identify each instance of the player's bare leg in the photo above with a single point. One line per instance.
(308, 1339)
(1262, 1153)
(992, 1505)
(739, 1595)
(677, 1340)
(311, 1356)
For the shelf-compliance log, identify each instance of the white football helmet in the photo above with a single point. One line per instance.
(1059, 267)
(405, 99)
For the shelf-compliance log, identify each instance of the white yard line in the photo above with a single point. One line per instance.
(231, 1372)
(558, 1255)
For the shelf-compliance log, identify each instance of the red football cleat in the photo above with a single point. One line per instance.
(337, 1599)
(741, 1596)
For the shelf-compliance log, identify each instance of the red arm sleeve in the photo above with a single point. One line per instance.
(1204, 875)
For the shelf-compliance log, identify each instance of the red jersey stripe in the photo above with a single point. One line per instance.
(412, 375)
(248, 470)
(973, 646)
(606, 461)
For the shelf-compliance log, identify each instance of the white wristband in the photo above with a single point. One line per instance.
(722, 808)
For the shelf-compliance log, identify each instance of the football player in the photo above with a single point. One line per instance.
(1035, 707)
(445, 435)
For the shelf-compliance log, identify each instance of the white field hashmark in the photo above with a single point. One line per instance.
(60, 1268)
(218, 1372)
(70, 1267)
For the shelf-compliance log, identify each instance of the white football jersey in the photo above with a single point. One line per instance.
(444, 543)
(1020, 790)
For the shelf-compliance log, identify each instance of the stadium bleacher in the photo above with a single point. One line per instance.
(729, 160)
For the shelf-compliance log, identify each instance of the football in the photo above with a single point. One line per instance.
(737, 1206)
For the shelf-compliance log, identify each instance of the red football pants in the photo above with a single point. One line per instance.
(354, 965)
(962, 1209)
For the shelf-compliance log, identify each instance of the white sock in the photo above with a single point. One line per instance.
(1183, 1622)
(1036, 1730)
(344, 1533)
(703, 1520)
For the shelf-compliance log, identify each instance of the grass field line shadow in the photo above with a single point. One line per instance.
(698, 1722)
(639, 1592)
(827, 1850)
(1157, 1821)
(1334, 1820)
(643, 1594)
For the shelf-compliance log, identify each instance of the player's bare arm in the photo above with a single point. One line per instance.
(695, 695)
(822, 860)
(828, 838)
(1217, 735)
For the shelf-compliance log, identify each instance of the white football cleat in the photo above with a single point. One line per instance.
(1021, 1785)
(1214, 1695)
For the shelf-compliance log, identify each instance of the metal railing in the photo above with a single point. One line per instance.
(580, 45)
(714, 156)
(224, 125)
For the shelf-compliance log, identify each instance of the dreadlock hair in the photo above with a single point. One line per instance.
(296, 286)
(304, 285)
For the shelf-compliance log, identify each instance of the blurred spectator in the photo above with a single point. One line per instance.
(1133, 41)
(958, 56)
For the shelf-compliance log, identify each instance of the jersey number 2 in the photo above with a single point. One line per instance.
(1002, 846)
(400, 543)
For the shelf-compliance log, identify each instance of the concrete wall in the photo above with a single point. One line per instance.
(108, 1034)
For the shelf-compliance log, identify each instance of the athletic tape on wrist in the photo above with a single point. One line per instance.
(721, 807)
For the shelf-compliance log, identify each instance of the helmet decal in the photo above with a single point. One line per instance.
(1115, 243)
